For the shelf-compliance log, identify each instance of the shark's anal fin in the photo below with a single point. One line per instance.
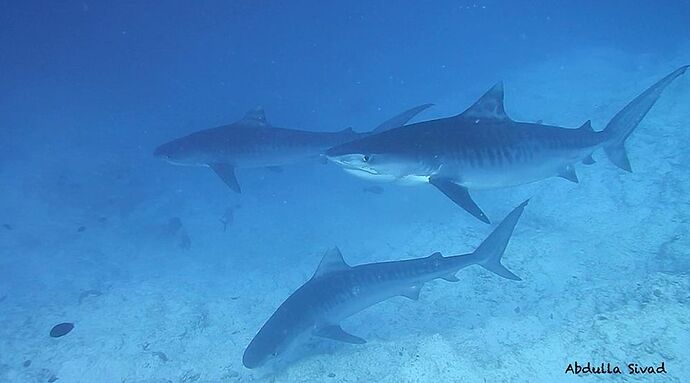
(588, 160)
(336, 332)
(459, 195)
(412, 292)
(226, 172)
(568, 173)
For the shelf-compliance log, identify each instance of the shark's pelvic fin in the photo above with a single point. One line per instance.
(226, 172)
(332, 261)
(336, 332)
(588, 160)
(460, 195)
(256, 116)
(400, 119)
(624, 122)
(275, 169)
(489, 106)
(489, 253)
(412, 292)
(568, 173)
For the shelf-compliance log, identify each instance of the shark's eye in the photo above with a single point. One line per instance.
(365, 158)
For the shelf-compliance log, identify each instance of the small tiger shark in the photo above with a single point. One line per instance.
(483, 148)
(337, 291)
(253, 142)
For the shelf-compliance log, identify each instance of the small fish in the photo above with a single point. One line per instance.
(174, 225)
(185, 242)
(81, 229)
(7, 226)
(374, 189)
(161, 355)
(27, 363)
(61, 329)
(229, 217)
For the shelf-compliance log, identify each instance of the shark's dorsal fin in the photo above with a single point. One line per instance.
(256, 116)
(347, 130)
(489, 106)
(587, 126)
(332, 261)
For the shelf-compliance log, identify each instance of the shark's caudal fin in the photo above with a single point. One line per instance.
(489, 253)
(624, 122)
(401, 119)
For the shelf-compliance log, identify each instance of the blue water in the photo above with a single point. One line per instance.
(89, 218)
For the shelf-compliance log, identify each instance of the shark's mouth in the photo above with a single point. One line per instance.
(352, 168)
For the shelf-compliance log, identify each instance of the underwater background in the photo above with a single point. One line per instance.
(167, 275)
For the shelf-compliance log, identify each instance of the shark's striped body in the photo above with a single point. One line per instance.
(337, 291)
(495, 154)
(483, 148)
(253, 142)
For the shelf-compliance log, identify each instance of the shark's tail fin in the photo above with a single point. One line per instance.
(489, 253)
(624, 122)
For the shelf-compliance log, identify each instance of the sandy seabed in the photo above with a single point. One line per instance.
(604, 263)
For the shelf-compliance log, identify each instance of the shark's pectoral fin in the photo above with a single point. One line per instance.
(401, 119)
(588, 160)
(336, 332)
(412, 292)
(450, 278)
(568, 173)
(460, 196)
(275, 169)
(226, 172)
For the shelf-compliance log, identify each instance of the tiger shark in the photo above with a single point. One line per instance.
(253, 142)
(483, 148)
(337, 291)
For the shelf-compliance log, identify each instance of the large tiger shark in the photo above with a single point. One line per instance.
(253, 142)
(338, 291)
(483, 148)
